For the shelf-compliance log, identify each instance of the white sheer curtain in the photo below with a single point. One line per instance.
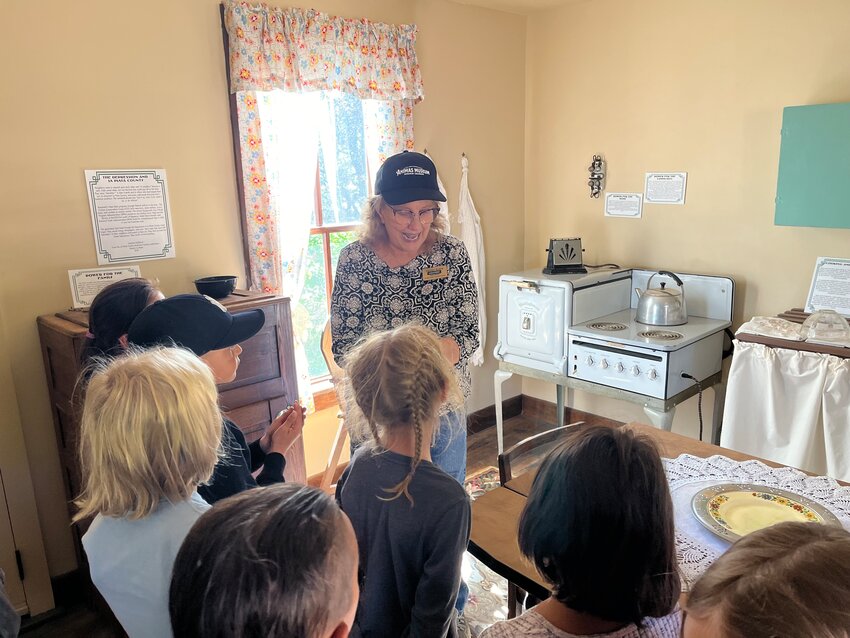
(789, 406)
(290, 135)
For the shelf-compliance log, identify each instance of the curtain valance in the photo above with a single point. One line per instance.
(304, 50)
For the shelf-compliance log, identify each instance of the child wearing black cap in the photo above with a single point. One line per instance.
(205, 327)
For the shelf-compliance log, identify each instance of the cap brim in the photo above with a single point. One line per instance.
(244, 326)
(412, 195)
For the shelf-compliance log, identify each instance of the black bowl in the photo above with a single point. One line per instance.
(216, 287)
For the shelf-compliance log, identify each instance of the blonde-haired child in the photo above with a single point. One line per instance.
(411, 519)
(150, 433)
(790, 579)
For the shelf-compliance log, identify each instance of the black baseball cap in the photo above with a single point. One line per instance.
(407, 177)
(196, 322)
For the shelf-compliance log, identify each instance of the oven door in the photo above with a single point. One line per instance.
(533, 319)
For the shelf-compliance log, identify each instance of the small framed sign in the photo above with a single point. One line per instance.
(85, 284)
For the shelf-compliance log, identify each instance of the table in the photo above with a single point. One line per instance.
(495, 515)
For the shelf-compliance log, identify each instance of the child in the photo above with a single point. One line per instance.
(206, 328)
(790, 579)
(150, 433)
(598, 525)
(410, 517)
(111, 314)
(275, 562)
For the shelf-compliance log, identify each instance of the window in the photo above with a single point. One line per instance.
(317, 101)
(342, 186)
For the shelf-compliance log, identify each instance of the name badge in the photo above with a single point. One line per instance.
(437, 272)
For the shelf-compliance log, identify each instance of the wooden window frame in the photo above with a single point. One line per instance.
(325, 393)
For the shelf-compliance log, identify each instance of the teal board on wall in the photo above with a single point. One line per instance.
(813, 188)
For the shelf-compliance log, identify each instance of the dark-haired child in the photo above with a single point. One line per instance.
(205, 327)
(790, 579)
(112, 311)
(275, 562)
(598, 525)
(410, 517)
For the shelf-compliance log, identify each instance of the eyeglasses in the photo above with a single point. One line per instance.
(426, 216)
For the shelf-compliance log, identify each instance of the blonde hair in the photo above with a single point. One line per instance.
(150, 430)
(790, 579)
(398, 379)
(372, 229)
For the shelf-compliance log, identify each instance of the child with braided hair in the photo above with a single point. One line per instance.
(411, 519)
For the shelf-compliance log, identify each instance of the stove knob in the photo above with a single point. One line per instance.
(652, 374)
(620, 367)
(603, 364)
(635, 371)
(589, 361)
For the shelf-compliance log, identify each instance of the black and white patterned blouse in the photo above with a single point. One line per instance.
(436, 290)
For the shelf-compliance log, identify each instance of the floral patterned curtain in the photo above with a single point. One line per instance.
(304, 50)
(277, 50)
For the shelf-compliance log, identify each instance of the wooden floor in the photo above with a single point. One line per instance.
(80, 621)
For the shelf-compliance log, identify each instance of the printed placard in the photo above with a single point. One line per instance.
(131, 216)
(86, 283)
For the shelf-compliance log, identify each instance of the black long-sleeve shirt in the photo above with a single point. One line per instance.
(233, 474)
(410, 555)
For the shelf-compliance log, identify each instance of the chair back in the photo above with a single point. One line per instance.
(530, 451)
(327, 352)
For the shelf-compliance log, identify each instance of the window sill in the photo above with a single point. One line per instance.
(324, 395)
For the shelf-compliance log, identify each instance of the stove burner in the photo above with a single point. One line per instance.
(607, 326)
(660, 335)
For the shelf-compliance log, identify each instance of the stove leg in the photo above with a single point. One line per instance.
(717, 416)
(499, 377)
(661, 420)
(559, 405)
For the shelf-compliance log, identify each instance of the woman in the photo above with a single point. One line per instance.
(405, 269)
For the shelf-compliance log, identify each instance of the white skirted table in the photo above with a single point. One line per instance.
(789, 401)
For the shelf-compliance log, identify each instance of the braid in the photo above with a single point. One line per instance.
(398, 379)
(373, 428)
(418, 409)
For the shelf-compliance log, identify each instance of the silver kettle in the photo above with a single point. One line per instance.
(662, 306)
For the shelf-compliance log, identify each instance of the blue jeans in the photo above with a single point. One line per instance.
(449, 454)
(449, 449)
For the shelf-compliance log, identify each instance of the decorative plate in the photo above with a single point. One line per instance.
(733, 510)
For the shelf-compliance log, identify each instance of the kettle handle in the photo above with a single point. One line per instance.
(672, 276)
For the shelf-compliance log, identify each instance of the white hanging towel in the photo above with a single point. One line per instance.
(444, 206)
(473, 239)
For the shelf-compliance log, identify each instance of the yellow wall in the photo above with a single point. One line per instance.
(97, 84)
(665, 85)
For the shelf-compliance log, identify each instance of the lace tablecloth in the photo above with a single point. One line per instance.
(696, 547)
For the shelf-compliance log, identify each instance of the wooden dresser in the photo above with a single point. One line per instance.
(265, 383)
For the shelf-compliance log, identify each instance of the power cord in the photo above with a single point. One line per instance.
(731, 335)
(685, 375)
(614, 266)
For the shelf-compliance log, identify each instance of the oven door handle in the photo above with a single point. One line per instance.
(529, 285)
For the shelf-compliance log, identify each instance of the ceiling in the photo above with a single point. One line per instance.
(522, 7)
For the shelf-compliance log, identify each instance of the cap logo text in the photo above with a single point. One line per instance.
(413, 170)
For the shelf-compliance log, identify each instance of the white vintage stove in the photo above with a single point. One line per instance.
(579, 331)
